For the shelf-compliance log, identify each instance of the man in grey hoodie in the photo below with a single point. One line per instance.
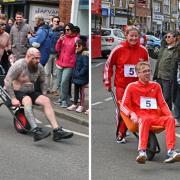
(18, 35)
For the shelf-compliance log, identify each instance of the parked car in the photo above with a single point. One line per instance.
(153, 44)
(110, 38)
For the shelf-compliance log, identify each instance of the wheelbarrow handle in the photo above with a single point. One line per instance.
(115, 102)
(119, 115)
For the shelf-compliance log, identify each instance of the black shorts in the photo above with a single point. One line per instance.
(20, 95)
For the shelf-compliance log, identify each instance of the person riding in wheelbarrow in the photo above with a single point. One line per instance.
(141, 102)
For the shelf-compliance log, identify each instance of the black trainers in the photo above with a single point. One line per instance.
(59, 134)
(39, 133)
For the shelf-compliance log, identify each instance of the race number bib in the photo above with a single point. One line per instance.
(129, 70)
(148, 103)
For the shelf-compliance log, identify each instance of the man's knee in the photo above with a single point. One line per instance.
(45, 101)
(26, 100)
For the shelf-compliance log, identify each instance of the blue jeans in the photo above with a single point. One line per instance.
(64, 76)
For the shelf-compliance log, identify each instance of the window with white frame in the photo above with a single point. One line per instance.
(166, 9)
(156, 7)
(166, 2)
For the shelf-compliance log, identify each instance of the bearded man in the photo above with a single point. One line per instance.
(19, 83)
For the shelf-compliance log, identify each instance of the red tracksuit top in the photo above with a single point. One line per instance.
(137, 91)
(121, 55)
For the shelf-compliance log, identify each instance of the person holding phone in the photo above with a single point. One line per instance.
(65, 63)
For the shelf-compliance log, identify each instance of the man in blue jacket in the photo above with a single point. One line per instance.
(42, 38)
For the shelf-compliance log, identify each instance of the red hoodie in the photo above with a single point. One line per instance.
(124, 57)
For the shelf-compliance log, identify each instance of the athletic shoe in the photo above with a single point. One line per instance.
(127, 133)
(172, 156)
(39, 134)
(59, 134)
(80, 109)
(73, 107)
(63, 104)
(121, 140)
(142, 157)
(87, 112)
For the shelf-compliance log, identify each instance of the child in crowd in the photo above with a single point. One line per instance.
(80, 76)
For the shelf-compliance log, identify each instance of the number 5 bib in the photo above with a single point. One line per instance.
(129, 70)
(148, 103)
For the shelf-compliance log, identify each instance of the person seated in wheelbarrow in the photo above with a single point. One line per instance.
(19, 83)
(142, 101)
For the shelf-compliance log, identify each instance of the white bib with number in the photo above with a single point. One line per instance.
(148, 103)
(129, 70)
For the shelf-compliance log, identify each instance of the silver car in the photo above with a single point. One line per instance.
(110, 38)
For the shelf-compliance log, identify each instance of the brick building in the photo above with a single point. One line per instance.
(65, 10)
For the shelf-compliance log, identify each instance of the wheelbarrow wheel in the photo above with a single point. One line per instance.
(22, 126)
(151, 148)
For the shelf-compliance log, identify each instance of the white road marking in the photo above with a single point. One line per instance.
(177, 135)
(108, 99)
(96, 103)
(99, 64)
(77, 133)
(38, 121)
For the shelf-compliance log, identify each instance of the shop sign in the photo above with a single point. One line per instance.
(104, 12)
(119, 12)
(158, 17)
(46, 11)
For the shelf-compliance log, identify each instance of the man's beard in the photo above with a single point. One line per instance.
(33, 68)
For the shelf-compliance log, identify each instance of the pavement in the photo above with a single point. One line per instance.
(80, 118)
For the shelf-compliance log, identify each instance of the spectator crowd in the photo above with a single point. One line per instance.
(64, 55)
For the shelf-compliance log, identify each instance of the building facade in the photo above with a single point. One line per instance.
(150, 15)
(75, 11)
(30, 7)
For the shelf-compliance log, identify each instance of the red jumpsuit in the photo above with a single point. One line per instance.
(124, 57)
(144, 100)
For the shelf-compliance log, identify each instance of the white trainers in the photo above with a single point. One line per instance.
(142, 157)
(72, 107)
(172, 156)
(80, 109)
